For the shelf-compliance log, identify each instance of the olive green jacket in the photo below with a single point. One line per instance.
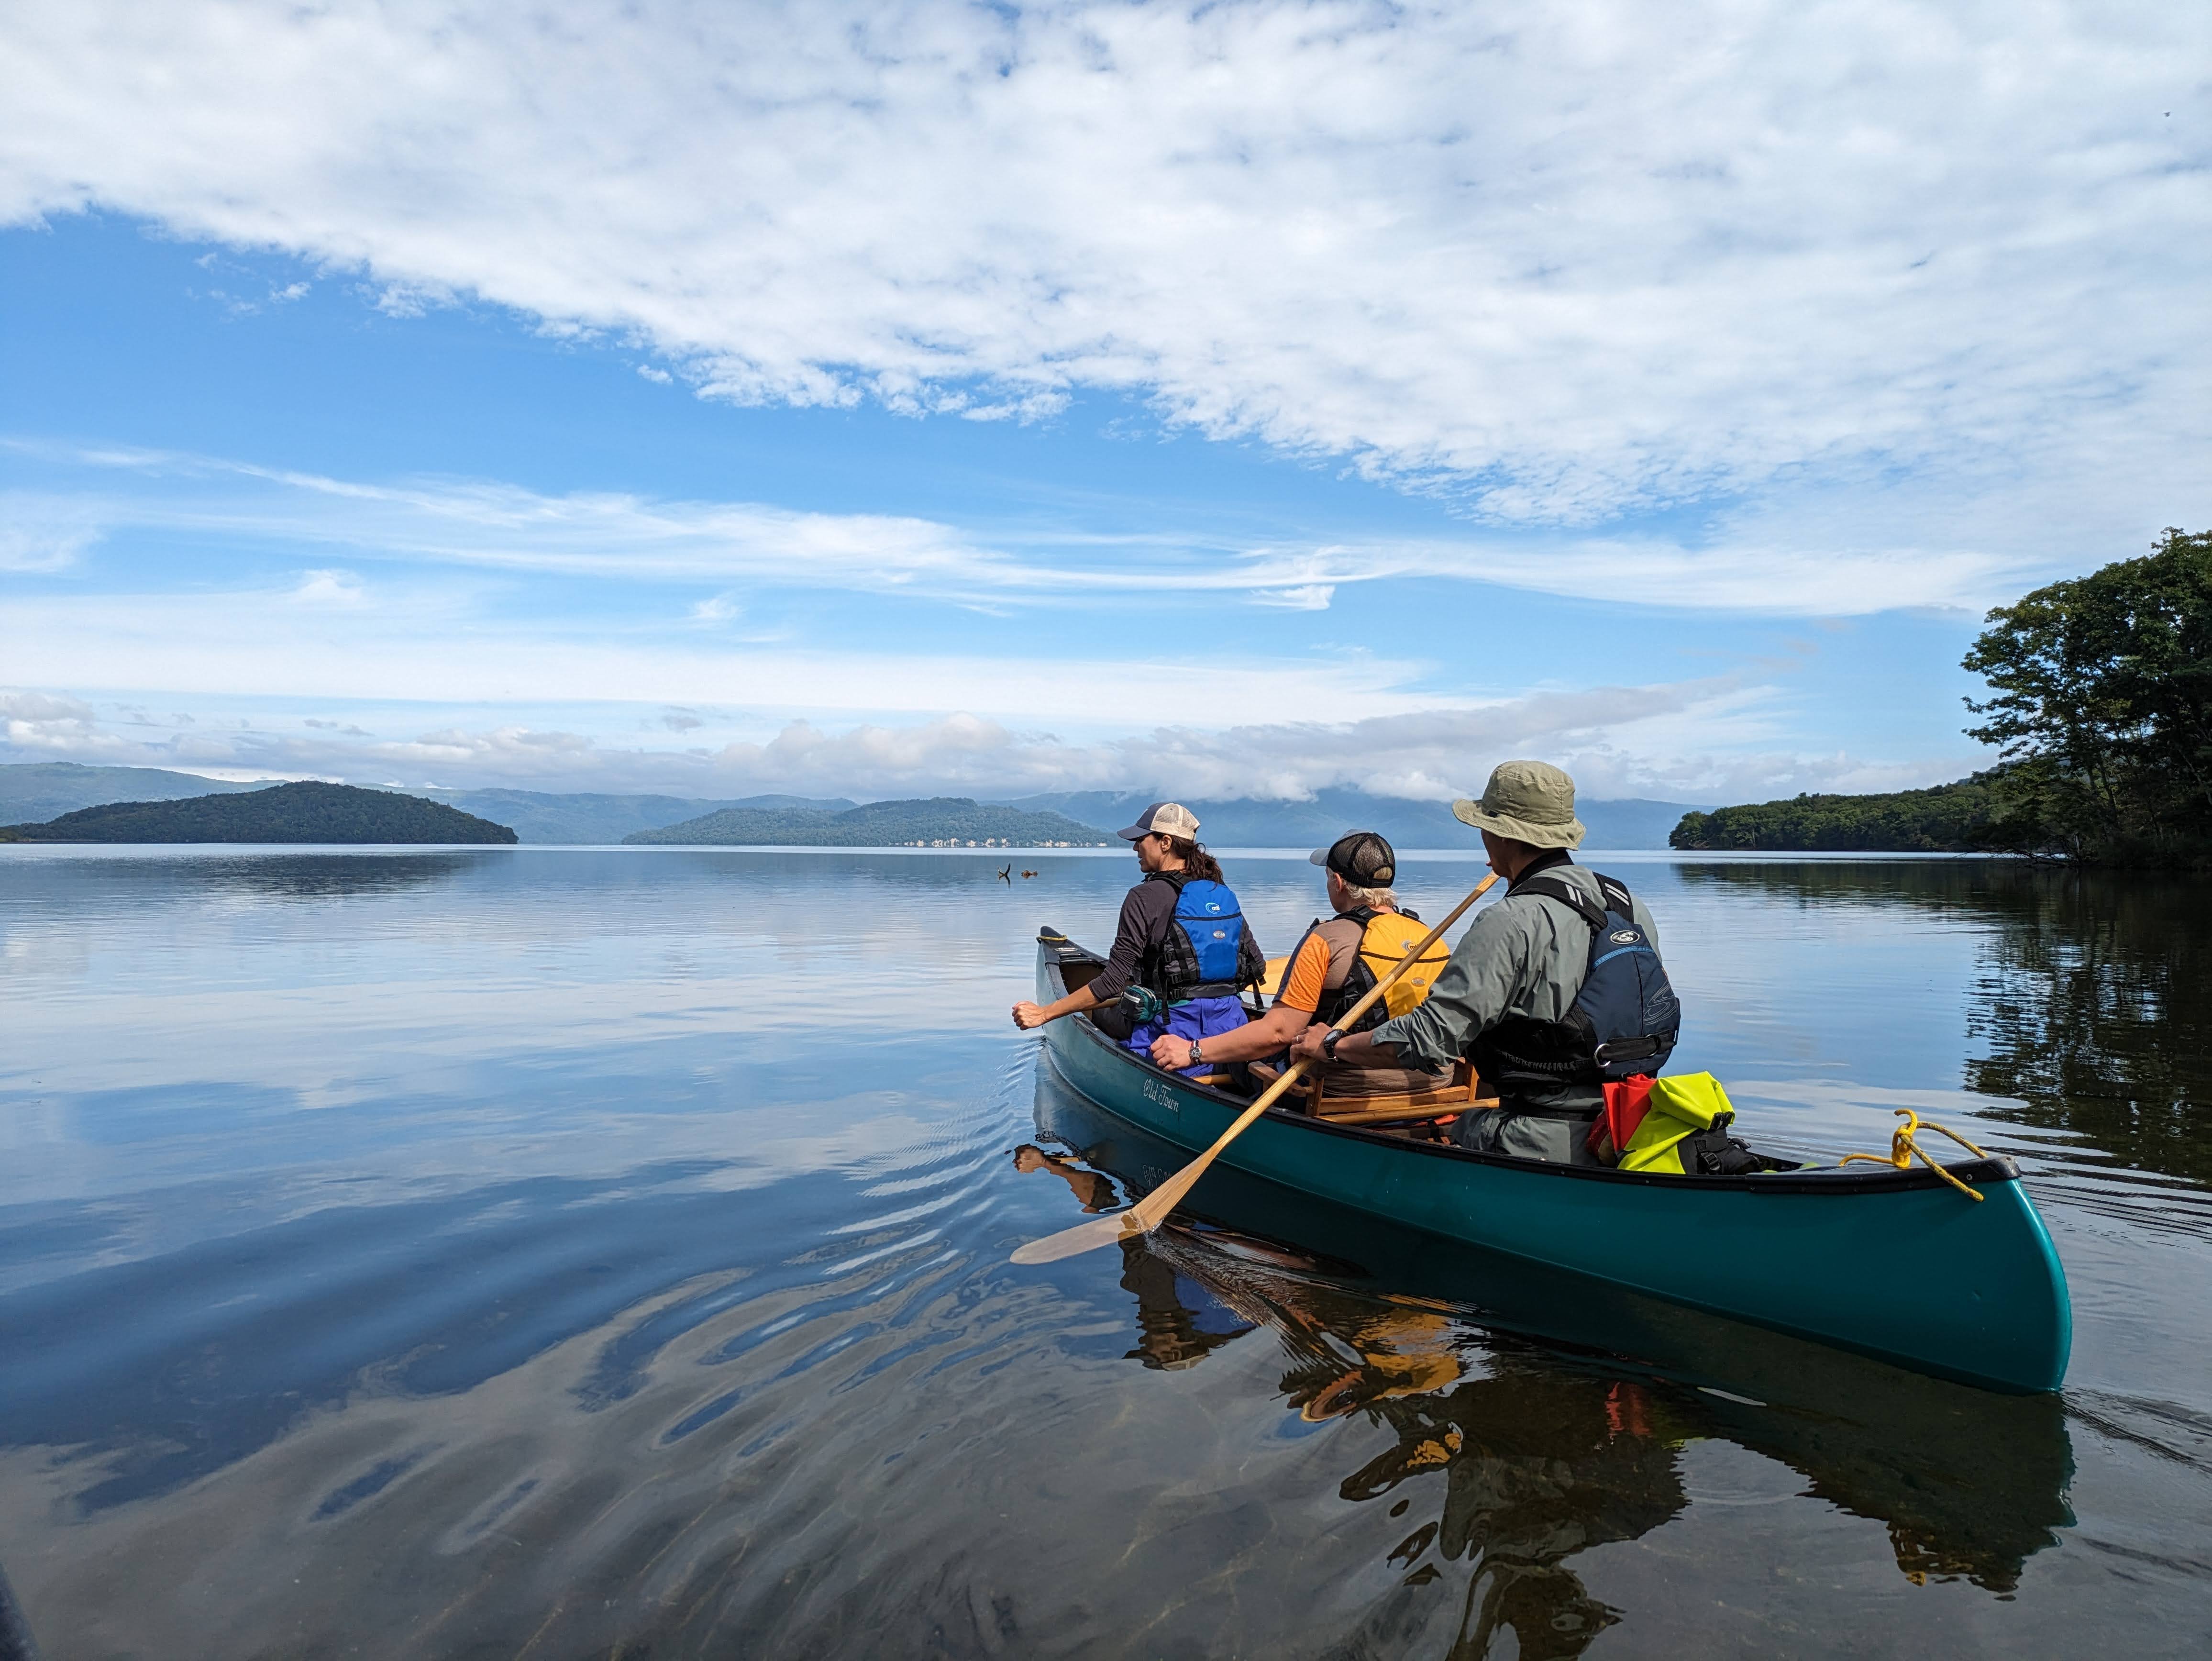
(1523, 955)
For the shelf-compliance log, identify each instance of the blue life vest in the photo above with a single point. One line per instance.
(1204, 953)
(1624, 1021)
(1207, 916)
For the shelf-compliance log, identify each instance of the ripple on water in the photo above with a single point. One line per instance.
(580, 1293)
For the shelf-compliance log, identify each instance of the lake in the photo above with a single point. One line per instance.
(565, 1253)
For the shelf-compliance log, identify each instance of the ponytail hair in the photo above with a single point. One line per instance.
(1199, 865)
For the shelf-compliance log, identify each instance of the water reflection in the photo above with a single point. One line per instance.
(1557, 1410)
(2093, 1001)
(604, 1252)
(173, 879)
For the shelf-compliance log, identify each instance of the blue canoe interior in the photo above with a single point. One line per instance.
(1894, 1264)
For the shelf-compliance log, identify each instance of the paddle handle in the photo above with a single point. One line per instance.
(1148, 1213)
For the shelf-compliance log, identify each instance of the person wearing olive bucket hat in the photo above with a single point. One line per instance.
(1553, 992)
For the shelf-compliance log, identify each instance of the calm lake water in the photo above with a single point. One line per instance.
(562, 1254)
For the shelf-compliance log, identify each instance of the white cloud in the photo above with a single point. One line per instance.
(318, 642)
(1686, 740)
(1305, 596)
(1568, 258)
(328, 588)
(44, 532)
(34, 720)
(1760, 564)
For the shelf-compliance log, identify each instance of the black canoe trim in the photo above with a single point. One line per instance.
(1850, 1182)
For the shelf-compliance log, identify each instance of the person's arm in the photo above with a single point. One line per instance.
(1476, 988)
(1352, 1049)
(1132, 933)
(1270, 1033)
(1305, 976)
(1029, 1014)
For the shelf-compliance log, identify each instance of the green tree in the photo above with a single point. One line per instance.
(2102, 699)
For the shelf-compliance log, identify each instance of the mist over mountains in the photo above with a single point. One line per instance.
(44, 790)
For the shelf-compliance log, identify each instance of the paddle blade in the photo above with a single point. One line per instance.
(1084, 1237)
(1142, 1217)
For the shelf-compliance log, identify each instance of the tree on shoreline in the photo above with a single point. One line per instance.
(2102, 705)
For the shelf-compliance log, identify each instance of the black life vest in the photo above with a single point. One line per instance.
(1624, 1021)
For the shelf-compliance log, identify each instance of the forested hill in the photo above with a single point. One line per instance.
(939, 822)
(1947, 818)
(34, 791)
(282, 812)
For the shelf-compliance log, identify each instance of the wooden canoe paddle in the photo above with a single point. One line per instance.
(1148, 1213)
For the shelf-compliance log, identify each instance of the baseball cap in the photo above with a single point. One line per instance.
(1362, 859)
(1164, 819)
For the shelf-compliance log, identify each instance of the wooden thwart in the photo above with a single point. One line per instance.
(1464, 1094)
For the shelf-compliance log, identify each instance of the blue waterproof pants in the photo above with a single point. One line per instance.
(1201, 1018)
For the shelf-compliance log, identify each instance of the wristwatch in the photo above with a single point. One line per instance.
(1328, 1044)
(1195, 1058)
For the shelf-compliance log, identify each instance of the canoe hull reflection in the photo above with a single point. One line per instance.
(1894, 1264)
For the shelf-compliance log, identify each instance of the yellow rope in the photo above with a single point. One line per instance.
(1902, 1147)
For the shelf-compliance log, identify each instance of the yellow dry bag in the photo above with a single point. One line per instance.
(1680, 1106)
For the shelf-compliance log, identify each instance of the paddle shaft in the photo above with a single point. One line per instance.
(1148, 1213)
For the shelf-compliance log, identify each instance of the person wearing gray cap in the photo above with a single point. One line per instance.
(1334, 964)
(1182, 951)
(1553, 991)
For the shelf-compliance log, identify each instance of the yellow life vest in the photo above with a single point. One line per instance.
(1388, 940)
(1385, 939)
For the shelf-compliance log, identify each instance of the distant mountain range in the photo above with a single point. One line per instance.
(538, 817)
(938, 822)
(1629, 823)
(307, 812)
(41, 790)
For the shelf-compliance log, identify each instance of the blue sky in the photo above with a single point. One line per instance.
(1240, 401)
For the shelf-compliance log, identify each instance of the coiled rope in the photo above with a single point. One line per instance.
(1902, 1148)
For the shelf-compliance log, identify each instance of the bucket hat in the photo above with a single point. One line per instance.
(1530, 801)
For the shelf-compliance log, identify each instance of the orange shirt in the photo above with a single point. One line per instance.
(1307, 976)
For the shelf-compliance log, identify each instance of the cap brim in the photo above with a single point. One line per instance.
(1569, 835)
(1135, 833)
(1319, 856)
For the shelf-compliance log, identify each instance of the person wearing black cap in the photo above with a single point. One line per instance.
(1335, 963)
(1182, 944)
(1553, 992)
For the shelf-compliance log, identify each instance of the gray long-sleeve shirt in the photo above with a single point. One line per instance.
(1525, 955)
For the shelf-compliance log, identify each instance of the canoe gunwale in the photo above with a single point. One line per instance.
(1055, 949)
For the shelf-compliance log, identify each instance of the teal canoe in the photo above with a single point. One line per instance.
(1896, 1264)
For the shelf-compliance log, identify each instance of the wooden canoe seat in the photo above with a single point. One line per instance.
(1464, 1091)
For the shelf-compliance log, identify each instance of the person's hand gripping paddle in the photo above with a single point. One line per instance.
(1148, 1213)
